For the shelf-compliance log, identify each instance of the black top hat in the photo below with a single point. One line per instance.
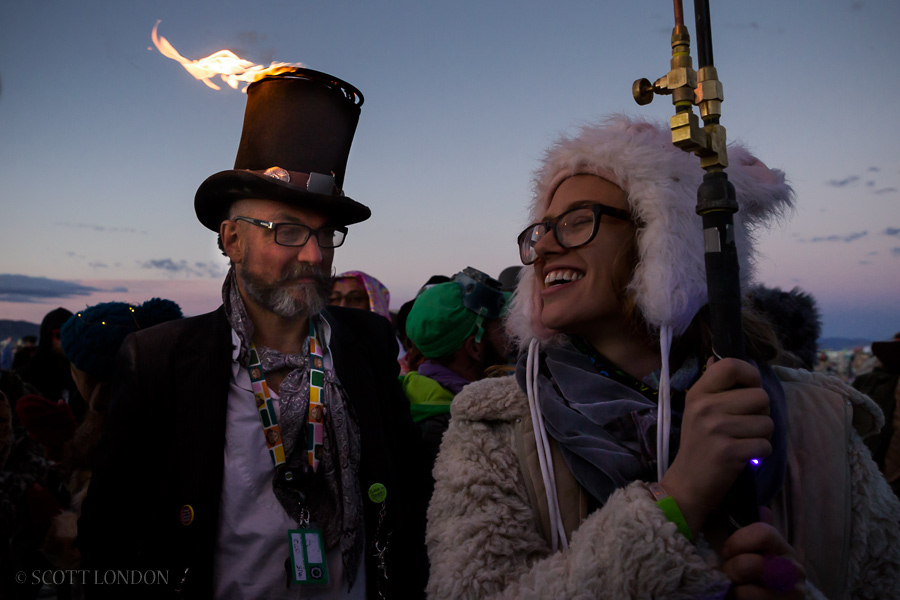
(298, 127)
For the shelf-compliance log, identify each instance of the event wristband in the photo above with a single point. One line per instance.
(666, 503)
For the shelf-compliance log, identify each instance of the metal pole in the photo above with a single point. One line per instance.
(716, 201)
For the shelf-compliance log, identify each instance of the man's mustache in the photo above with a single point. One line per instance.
(304, 271)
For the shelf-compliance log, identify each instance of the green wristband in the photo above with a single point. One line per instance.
(673, 514)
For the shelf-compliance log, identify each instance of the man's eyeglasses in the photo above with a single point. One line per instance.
(295, 234)
(573, 228)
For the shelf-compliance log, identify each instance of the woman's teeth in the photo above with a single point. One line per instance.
(563, 276)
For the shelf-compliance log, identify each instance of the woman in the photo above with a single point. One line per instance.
(356, 289)
(548, 484)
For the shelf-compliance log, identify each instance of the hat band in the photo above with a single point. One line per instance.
(316, 183)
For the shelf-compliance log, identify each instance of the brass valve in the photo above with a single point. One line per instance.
(689, 88)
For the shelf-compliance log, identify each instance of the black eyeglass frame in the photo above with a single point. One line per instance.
(597, 209)
(274, 227)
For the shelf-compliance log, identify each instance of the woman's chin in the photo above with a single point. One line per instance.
(559, 321)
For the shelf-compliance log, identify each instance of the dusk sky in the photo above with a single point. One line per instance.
(103, 140)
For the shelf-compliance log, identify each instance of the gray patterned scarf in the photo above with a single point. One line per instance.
(331, 494)
(607, 430)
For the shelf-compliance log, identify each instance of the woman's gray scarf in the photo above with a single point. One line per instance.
(607, 430)
(332, 495)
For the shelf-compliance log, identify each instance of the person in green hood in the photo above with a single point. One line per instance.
(457, 327)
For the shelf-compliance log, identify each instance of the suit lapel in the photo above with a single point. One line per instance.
(201, 380)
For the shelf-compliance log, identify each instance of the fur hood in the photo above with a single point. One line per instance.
(661, 182)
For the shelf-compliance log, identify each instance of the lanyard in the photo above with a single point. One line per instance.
(316, 408)
(607, 369)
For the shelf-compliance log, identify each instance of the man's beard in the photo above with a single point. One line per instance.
(286, 296)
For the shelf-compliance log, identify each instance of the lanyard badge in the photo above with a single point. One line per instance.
(308, 565)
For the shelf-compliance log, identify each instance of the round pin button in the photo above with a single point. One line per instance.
(187, 514)
(377, 493)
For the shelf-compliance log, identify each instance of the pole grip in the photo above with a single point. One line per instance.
(723, 285)
(717, 203)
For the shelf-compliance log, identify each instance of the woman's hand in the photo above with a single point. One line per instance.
(760, 563)
(726, 423)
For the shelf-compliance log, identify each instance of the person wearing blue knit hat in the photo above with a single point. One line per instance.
(90, 340)
(457, 327)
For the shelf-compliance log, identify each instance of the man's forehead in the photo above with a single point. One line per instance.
(275, 211)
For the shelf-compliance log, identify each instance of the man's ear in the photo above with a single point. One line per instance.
(231, 240)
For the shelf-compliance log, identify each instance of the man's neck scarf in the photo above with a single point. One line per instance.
(331, 494)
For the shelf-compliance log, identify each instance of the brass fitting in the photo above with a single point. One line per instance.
(708, 94)
(681, 78)
(716, 143)
(687, 133)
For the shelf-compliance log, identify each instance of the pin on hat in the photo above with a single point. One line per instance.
(296, 137)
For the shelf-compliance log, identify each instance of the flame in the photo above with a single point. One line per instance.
(231, 68)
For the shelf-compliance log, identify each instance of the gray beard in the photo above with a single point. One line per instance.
(281, 297)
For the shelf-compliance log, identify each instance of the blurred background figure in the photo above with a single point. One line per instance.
(50, 423)
(91, 340)
(882, 384)
(27, 465)
(5, 429)
(509, 277)
(355, 289)
(457, 327)
(48, 370)
(411, 356)
(16, 354)
(796, 320)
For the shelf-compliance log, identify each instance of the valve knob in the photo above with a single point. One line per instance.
(642, 90)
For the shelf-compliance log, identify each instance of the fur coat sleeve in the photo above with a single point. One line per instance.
(483, 541)
(836, 509)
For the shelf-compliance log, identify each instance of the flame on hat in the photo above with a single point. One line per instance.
(226, 64)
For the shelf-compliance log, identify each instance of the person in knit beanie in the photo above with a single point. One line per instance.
(602, 469)
(91, 340)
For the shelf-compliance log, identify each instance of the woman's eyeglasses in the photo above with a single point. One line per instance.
(573, 228)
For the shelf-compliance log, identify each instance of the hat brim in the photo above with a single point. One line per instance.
(215, 196)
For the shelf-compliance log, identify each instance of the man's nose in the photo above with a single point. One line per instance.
(310, 251)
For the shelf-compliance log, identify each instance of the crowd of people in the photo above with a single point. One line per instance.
(564, 429)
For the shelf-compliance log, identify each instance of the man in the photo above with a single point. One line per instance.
(456, 326)
(882, 384)
(262, 450)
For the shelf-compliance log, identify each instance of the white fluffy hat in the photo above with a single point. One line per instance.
(661, 182)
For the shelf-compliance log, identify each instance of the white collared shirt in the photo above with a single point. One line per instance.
(252, 540)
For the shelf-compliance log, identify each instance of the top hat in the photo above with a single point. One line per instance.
(298, 128)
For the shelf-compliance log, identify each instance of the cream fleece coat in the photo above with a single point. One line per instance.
(484, 534)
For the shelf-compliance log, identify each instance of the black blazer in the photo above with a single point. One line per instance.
(163, 444)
